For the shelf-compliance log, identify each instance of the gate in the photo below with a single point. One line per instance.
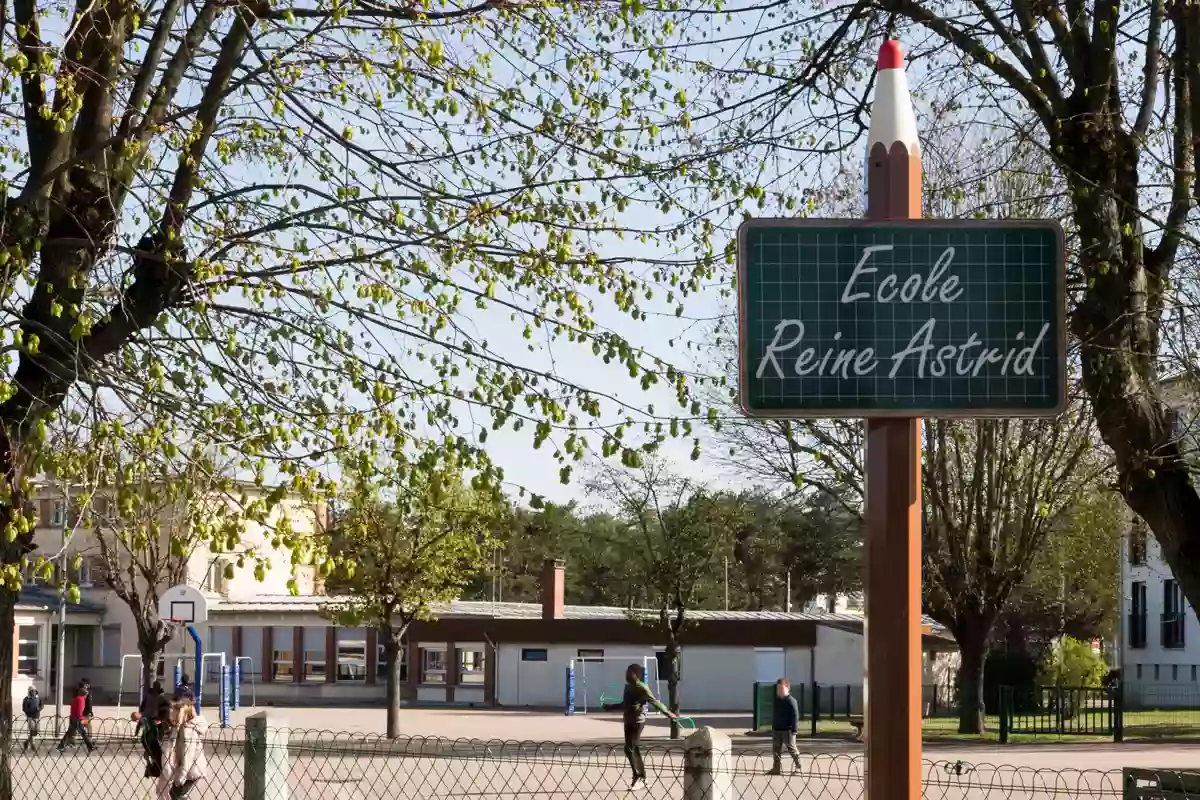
(1057, 711)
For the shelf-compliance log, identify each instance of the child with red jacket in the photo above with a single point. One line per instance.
(79, 705)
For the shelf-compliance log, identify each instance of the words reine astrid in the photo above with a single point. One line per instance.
(960, 359)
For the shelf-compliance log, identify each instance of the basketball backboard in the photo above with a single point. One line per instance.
(183, 603)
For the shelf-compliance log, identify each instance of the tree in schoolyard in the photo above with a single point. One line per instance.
(1107, 91)
(407, 538)
(676, 531)
(274, 222)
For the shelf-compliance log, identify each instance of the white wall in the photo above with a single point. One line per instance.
(715, 678)
(838, 657)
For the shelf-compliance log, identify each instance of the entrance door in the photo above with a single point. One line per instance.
(768, 664)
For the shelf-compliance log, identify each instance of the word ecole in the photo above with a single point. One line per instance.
(787, 354)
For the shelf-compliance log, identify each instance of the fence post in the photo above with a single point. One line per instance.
(1118, 706)
(754, 720)
(816, 692)
(267, 764)
(849, 703)
(707, 766)
(1005, 711)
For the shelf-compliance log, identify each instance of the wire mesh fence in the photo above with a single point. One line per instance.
(321, 765)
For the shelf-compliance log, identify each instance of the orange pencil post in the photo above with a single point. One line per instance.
(893, 486)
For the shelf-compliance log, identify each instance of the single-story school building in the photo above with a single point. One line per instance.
(501, 654)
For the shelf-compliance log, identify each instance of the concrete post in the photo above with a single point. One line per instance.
(267, 764)
(707, 766)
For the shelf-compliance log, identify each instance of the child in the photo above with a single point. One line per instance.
(78, 714)
(32, 708)
(184, 762)
(785, 722)
(633, 714)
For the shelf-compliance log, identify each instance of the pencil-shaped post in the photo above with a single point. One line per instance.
(893, 486)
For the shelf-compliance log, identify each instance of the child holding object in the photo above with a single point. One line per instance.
(633, 714)
(785, 722)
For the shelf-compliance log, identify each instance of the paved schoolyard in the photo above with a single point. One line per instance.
(363, 767)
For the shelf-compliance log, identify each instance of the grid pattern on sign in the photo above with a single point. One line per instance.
(1009, 281)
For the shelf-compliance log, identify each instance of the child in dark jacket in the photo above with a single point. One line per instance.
(785, 723)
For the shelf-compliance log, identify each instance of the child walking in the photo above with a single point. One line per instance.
(77, 724)
(184, 763)
(785, 723)
(32, 708)
(633, 714)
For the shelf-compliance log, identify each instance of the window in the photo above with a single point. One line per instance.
(1156, 666)
(661, 658)
(351, 655)
(1193, 673)
(534, 654)
(314, 654)
(85, 646)
(58, 513)
(1174, 672)
(433, 665)
(93, 571)
(470, 666)
(584, 654)
(381, 664)
(1137, 615)
(27, 649)
(1173, 616)
(283, 664)
(1138, 671)
(110, 646)
(1137, 543)
(214, 581)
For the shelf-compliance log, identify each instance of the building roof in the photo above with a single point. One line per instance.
(46, 598)
(489, 610)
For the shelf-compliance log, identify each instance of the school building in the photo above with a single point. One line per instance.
(473, 654)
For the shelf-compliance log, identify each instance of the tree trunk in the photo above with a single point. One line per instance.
(391, 647)
(8, 602)
(150, 651)
(972, 644)
(674, 675)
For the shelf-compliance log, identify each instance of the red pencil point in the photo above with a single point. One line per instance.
(891, 55)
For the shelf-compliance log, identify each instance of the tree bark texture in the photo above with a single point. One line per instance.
(972, 643)
(392, 648)
(674, 678)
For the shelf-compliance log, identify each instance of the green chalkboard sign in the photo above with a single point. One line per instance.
(857, 318)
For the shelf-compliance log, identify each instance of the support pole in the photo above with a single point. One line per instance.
(893, 485)
(198, 676)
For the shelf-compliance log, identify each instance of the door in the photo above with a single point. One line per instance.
(768, 664)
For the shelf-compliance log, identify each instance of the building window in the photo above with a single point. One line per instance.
(351, 655)
(283, 662)
(27, 649)
(433, 665)
(1174, 672)
(1173, 615)
(1138, 671)
(1156, 666)
(1137, 615)
(110, 646)
(470, 666)
(663, 668)
(534, 654)
(314, 654)
(58, 513)
(1137, 543)
(381, 664)
(584, 654)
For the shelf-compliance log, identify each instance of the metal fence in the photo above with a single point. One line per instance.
(319, 765)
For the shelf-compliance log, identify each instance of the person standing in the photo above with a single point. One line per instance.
(184, 762)
(785, 722)
(153, 715)
(31, 707)
(633, 714)
(76, 725)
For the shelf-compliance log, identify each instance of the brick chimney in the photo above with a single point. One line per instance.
(554, 590)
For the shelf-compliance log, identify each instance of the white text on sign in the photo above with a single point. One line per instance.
(932, 361)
